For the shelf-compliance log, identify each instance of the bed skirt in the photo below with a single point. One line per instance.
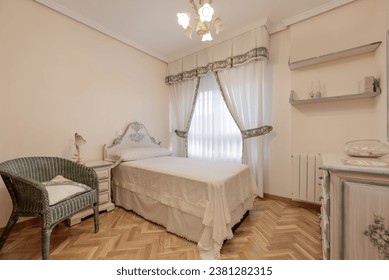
(176, 221)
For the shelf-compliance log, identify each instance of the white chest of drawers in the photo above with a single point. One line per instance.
(354, 191)
(103, 170)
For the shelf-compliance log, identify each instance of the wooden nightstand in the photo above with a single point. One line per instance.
(103, 170)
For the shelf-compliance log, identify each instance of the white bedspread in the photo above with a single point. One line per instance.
(208, 190)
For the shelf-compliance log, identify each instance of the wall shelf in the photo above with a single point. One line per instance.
(333, 56)
(374, 93)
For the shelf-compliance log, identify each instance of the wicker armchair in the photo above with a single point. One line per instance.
(23, 178)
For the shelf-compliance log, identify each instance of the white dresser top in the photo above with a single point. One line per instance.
(98, 163)
(355, 164)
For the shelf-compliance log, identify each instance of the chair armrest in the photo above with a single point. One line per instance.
(23, 189)
(23, 179)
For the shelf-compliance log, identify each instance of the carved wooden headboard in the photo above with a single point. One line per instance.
(135, 135)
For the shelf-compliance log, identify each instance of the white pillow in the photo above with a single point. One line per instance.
(141, 153)
(60, 188)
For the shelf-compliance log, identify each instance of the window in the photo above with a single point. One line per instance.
(213, 133)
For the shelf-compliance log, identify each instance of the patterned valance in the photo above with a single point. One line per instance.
(256, 53)
(254, 132)
(237, 51)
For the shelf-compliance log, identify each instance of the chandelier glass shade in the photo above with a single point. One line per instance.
(201, 22)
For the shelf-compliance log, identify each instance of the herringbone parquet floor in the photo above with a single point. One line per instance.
(273, 230)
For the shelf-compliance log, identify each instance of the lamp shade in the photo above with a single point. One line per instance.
(201, 21)
(183, 19)
(207, 37)
(218, 25)
(206, 13)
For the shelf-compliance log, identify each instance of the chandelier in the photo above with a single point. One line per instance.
(201, 21)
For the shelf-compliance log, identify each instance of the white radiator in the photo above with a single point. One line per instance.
(305, 177)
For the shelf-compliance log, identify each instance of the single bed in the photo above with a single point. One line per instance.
(197, 200)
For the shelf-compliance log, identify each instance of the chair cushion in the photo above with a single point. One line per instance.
(61, 188)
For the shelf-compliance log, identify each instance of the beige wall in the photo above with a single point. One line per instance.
(58, 77)
(325, 127)
(278, 171)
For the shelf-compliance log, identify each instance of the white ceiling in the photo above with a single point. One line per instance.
(151, 25)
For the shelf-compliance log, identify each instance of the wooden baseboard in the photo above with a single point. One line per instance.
(301, 204)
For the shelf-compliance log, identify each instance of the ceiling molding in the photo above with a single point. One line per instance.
(276, 28)
(306, 15)
(220, 38)
(314, 12)
(88, 22)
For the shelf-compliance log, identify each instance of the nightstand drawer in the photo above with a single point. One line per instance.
(102, 173)
(103, 197)
(103, 186)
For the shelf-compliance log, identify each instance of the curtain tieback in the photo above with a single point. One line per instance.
(254, 132)
(182, 134)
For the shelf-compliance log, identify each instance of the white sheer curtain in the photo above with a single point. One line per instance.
(243, 89)
(182, 97)
(213, 133)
